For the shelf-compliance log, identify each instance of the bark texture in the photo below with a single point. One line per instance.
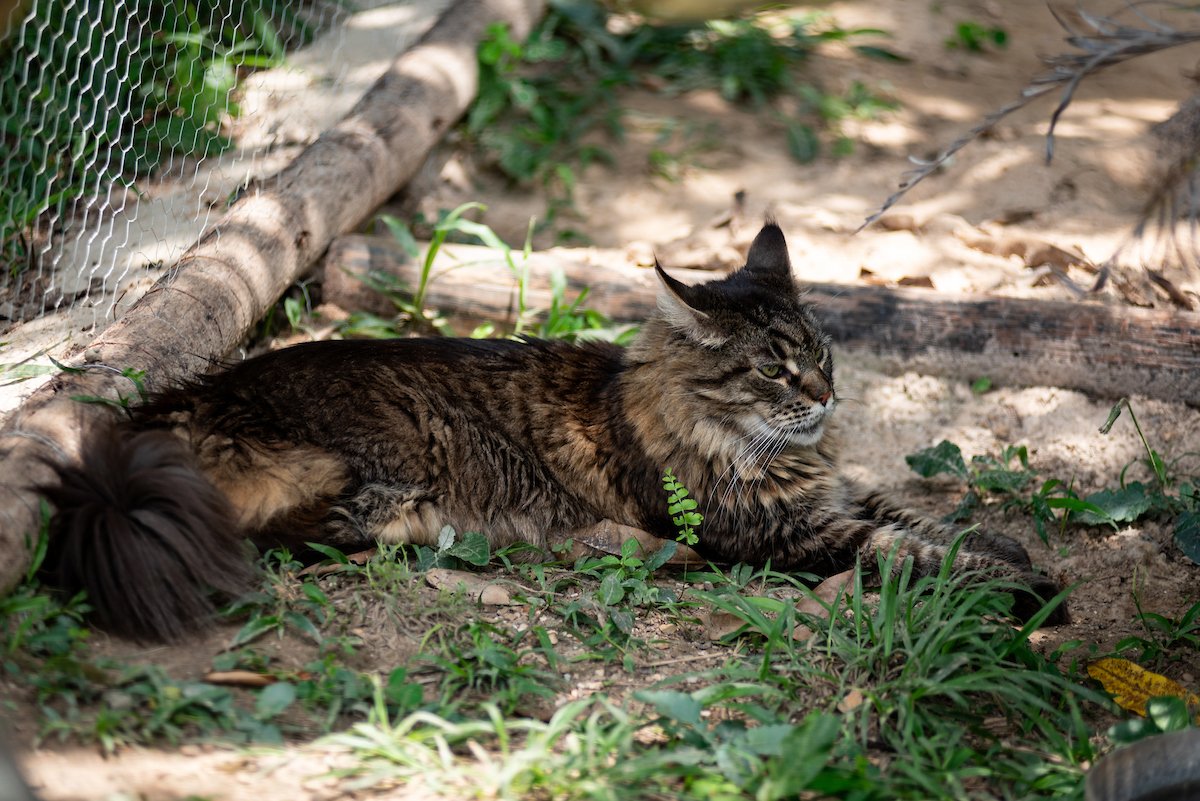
(202, 308)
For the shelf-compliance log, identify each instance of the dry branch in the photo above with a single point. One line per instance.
(1100, 349)
(202, 308)
(1100, 41)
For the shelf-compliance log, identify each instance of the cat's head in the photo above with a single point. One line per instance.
(748, 346)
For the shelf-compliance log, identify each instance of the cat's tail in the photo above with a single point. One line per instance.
(145, 533)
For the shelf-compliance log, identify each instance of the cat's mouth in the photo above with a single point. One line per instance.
(811, 425)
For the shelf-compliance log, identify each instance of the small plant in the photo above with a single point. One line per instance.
(472, 549)
(477, 657)
(974, 37)
(539, 101)
(564, 319)
(682, 509)
(282, 603)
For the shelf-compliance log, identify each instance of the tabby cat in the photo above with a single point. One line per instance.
(729, 383)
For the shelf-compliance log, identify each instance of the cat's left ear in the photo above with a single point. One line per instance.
(680, 306)
(768, 257)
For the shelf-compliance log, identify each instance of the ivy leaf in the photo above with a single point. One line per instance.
(945, 457)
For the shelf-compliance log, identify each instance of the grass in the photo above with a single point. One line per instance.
(919, 689)
(546, 105)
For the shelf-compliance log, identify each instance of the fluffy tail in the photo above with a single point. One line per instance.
(146, 534)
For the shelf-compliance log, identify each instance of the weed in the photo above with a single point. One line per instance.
(1170, 495)
(974, 37)
(682, 509)
(540, 101)
(478, 657)
(1163, 715)
(455, 553)
(1164, 636)
(562, 320)
(281, 604)
(625, 582)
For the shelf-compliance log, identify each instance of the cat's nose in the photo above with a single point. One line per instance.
(824, 399)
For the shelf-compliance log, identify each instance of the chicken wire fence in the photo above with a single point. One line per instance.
(128, 126)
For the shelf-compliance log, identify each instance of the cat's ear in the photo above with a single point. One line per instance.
(768, 257)
(679, 304)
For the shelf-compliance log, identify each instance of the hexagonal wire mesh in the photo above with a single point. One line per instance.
(128, 126)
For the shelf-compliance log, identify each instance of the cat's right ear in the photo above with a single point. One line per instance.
(679, 305)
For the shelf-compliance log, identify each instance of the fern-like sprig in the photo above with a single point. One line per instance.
(682, 509)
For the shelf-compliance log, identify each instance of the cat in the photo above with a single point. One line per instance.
(729, 383)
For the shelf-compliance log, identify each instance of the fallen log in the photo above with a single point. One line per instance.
(1104, 350)
(201, 309)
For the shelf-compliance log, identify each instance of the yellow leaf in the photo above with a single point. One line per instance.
(1132, 686)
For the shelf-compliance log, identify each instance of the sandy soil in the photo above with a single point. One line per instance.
(1086, 199)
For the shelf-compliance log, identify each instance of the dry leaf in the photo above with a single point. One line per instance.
(851, 701)
(718, 625)
(824, 593)
(474, 587)
(1031, 251)
(922, 281)
(1131, 686)
(239, 678)
(359, 558)
(607, 537)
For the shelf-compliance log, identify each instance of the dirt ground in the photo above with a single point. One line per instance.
(1086, 198)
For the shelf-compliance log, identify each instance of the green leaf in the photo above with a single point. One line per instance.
(945, 457)
(661, 556)
(768, 740)
(274, 699)
(255, 628)
(303, 625)
(881, 53)
(1187, 535)
(1001, 480)
(473, 549)
(329, 552)
(1123, 505)
(674, 705)
(610, 592)
(802, 141)
(1168, 713)
(805, 753)
(315, 594)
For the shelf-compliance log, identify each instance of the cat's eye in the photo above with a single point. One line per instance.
(770, 369)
